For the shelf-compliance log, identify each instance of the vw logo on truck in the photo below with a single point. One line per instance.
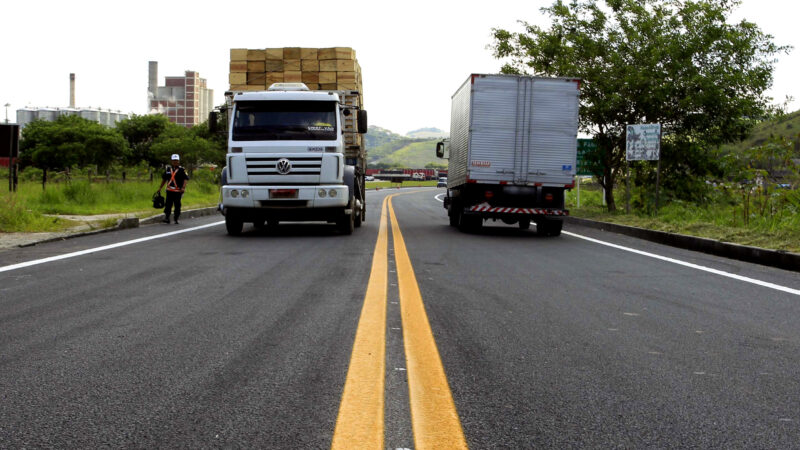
(284, 166)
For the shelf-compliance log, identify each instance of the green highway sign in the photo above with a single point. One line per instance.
(584, 146)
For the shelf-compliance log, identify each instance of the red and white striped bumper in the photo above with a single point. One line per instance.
(484, 207)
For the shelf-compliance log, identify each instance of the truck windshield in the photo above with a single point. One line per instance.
(284, 120)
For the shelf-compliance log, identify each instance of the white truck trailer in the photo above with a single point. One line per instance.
(291, 158)
(512, 151)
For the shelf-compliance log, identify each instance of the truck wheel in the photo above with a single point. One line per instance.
(453, 219)
(454, 213)
(470, 223)
(524, 224)
(555, 228)
(346, 224)
(546, 227)
(357, 219)
(233, 224)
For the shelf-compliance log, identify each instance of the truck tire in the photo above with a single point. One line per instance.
(357, 219)
(233, 224)
(546, 227)
(453, 218)
(524, 224)
(470, 223)
(453, 213)
(346, 223)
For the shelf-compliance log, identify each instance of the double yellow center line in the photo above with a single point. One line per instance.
(434, 419)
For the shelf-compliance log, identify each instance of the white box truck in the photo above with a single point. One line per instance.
(512, 151)
(292, 156)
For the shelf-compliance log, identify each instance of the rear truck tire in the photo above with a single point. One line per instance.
(233, 224)
(470, 223)
(357, 219)
(258, 224)
(524, 224)
(453, 219)
(453, 212)
(346, 223)
(547, 227)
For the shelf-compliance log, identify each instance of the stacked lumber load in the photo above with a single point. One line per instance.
(319, 68)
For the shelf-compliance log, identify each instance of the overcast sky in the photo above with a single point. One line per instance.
(413, 54)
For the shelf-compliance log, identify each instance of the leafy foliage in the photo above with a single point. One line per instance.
(678, 63)
(70, 141)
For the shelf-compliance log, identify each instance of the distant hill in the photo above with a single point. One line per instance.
(377, 136)
(388, 149)
(787, 126)
(427, 133)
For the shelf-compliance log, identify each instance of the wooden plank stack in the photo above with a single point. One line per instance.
(319, 68)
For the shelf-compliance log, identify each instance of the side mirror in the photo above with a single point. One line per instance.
(362, 122)
(213, 116)
(440, 149)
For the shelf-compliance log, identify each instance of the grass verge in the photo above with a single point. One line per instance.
(720, 220)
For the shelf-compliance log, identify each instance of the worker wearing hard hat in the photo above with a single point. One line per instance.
(175, 178)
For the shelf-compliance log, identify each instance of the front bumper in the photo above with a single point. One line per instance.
(307, 196)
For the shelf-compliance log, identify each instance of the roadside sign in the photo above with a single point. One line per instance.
(585, 146)
(643, 142)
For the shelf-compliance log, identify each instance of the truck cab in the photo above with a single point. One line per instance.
(287, 161)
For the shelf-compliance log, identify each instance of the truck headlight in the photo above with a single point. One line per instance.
(245, 193)
(234, 193)
(332, 193)
(322, 193)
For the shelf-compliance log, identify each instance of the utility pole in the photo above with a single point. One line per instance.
(7, 105)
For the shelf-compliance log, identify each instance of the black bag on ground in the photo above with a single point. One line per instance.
(158, 201)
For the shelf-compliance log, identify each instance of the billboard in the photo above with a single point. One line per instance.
(643, 142)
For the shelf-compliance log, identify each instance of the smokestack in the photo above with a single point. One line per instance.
(72, 90)
(152, 86)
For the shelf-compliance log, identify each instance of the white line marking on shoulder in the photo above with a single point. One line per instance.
(103, 248)
(766, 284)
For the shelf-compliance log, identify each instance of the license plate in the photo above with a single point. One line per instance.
(283, 193)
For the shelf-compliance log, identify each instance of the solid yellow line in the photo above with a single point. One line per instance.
(434, 418)
(360, 420)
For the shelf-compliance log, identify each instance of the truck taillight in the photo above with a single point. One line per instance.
(548, 197)
(488, 195)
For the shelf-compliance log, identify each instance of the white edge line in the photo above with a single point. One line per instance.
(103, 248)
(690, 265)
(679, 262)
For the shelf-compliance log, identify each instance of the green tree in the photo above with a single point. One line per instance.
(678, 63)
(70, 141)
(141, 133)
(218, 142)
(192, 149)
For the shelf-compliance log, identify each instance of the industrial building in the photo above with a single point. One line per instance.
(184, 100)
(103, 116)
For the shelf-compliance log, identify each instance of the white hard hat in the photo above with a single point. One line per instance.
(176, 157)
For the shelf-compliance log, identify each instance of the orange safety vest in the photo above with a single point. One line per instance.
(172, 185)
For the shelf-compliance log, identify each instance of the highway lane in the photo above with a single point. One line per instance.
(199, 339)
(194, 340)
(560, 342)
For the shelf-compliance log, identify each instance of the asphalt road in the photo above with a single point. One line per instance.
(198, 339)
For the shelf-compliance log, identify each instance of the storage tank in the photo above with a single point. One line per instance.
(90, 114)
(25, 116)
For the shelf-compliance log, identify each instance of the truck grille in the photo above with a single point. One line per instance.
(300, 165)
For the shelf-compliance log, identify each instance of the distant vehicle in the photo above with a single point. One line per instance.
(493, 172)
(418, 176)
(369, 178)
(442, 182)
